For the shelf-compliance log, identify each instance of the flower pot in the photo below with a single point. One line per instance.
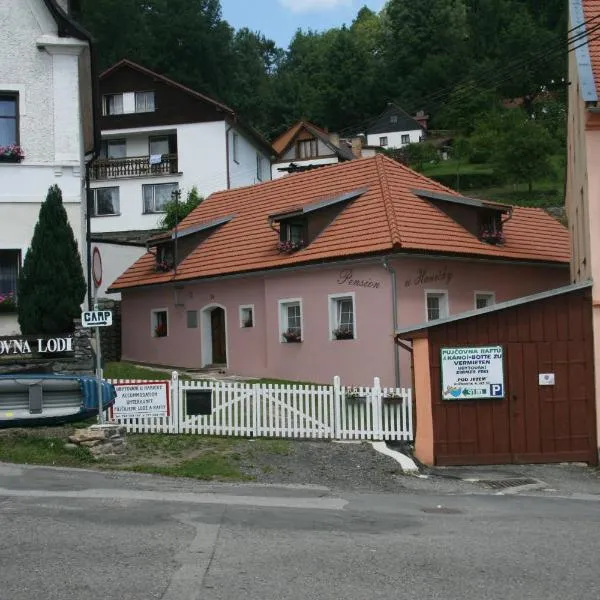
(10, 159)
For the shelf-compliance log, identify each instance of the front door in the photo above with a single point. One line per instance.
(217, 325)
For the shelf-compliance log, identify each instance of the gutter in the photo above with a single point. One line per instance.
(392, 272)
(227, 152)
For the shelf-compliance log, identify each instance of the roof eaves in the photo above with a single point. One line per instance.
(495, 307)
(458, 199)
(181, 233)
(587, 83)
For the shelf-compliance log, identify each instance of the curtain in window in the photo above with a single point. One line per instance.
(8, 121)
(162, 195)
(114, 104)
(9, 271)
(293, 318)
(345, 315)
(144, 102)
(107, 201)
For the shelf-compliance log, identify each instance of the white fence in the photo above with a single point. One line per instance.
(268, 410)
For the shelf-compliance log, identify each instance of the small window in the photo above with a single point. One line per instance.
(112, 104)
(234, 147)
(259, 167)
(405, 139)
(192, 319)
(307, 149)
(113, 149)
(290, 321)
(144, 102)
(483, 299)
(160, 323)
(106, 201)
(247, 316)
(9, 120)
(10, 264)
(437, 305)
(157, 195)
(342, 322)
(293, 232)
(383, 141)
(158, 145)
(394, 119)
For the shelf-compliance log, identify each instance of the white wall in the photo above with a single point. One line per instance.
(115, 260)
(330, 160)
(244, 171)
(395, 138)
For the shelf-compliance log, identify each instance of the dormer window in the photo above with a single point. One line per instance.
(490, 228)
(293, 235)
(165, 257)
(307, 149)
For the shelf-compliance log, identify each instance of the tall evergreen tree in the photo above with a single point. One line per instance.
(51, 285)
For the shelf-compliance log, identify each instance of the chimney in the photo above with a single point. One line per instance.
(422, 119)
(357, 144)
(334, 138)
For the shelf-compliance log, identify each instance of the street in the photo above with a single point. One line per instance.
(69, 534)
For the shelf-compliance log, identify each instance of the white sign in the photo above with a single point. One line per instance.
(96, 318)
(141, 400)
(472, 373)
(546, 378)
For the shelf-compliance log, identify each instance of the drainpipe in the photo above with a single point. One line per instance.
(227, 154)
(392, 272)
(88, 231)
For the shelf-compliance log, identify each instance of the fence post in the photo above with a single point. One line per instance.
(337, 402)
(377, 409)
(175, 408)
(255, 411)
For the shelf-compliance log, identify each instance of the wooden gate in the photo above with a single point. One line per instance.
(533, 423)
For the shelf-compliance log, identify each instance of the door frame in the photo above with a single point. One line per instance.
(206, 334)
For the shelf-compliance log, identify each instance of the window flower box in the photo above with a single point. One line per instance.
(292, 336)
(11, 154)
(163, 266)
(288, 247)
(8, 303)
(354, 396)
(491, 237)
(392, 399)
(343, 333)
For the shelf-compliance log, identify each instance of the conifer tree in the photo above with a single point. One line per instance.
(51, 284)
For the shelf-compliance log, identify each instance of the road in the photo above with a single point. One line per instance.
(73, 535)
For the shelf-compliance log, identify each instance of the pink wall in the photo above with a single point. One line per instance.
(258, 351)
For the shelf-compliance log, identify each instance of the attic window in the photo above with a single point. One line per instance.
(394, 119)
(165, 258)
(490, 227)
(292, 235)
(307, 149)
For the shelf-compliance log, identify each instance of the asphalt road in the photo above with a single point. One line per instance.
(74, 535)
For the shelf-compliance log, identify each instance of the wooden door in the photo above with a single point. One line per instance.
(217, 323)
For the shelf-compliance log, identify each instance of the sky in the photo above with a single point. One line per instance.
(279, 19)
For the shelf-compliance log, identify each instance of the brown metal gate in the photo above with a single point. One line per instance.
(532, 423)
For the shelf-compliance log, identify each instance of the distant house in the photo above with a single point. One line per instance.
(306, 277)
(47, 110)
(305, 146)
(160, 137)
(395, 128)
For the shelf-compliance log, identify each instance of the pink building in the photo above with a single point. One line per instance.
(308, 276)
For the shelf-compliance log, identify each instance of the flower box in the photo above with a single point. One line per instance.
(353, 396)
(393, 399)
(7, 303)
(491, 237)
(163, 266)
(288, 247)
(11, 154)
(343, 334)
(292, 337)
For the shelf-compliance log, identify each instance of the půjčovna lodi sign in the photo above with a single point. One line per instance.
(472, 373)
(23, 346)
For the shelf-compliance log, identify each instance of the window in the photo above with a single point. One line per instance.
(437, 305)
(259, 167)
(144, 102)
(290, 320)
(293, 232)
(483, 299)
(307, 149)
(342, 322)
(160, 323)
(10, 263)
(156, 196)
(192, 319)
(112, 104)
(234, 147)
(9, 120)
(383, 141)
(405, 139)
(394, 119)
(159, 145)
(247, 315)
(106, 201)
(114, 149)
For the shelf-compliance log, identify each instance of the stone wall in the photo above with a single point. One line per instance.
(110, 337)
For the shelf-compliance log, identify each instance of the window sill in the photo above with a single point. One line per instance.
(343, 339)
(103, 216)
(154, 212)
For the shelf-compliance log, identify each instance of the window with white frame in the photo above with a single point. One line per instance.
(290, 320)
(106, 201)
(9, 119)
(483, 299)
(157, 195)
(114, 149)
(234, 147)
(405, 139)
(383, 141)
(112, 104)
(247, 315)
(259, 167)
(160, 323)
(10, 263)
(436, 305)
(342, 317)
(144, 102)
(192, 319)
(127, 103)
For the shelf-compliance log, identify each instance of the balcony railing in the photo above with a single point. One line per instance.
(133, 166)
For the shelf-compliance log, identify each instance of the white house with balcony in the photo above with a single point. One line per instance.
(159, 137)
(47, 128)
(395, 128)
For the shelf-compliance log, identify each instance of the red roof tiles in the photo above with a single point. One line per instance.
(591, 10)
(388, 217)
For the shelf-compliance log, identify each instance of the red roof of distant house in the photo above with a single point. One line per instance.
(591, 10)
(388, 217)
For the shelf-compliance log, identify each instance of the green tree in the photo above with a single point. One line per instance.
(51, 285)
(419, 154)
(175, 212)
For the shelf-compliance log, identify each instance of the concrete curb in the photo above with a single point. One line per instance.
(407, 464)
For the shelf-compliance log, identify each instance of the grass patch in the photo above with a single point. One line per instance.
(30, 449)
(450, 167)
(125, 370)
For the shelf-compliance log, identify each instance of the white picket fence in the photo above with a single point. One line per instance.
(285, 411)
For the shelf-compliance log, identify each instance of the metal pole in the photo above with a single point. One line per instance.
(98, 363)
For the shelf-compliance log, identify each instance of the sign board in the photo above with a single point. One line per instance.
(472, 373)
(141, 400)
(96, 318)
(546, 378)
(97, 267)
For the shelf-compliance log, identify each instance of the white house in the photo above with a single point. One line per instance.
(46, 109)
(395, 128)
(159, 137)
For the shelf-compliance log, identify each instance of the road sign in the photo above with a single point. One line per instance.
(96, 318)
(97, 267)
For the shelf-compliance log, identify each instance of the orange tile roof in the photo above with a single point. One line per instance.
(388, 217)
(591, 10)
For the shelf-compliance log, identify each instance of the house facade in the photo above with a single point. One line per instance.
(47, 110)
(583, 172)
(308, 277)
(395, 128)
(159, 137)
